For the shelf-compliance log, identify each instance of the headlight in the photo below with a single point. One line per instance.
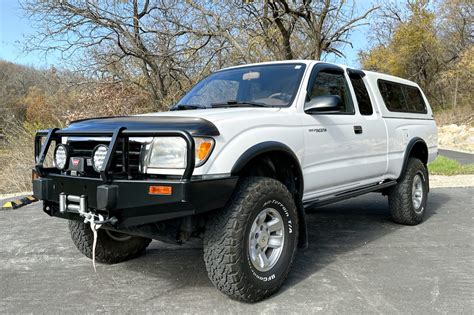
(167, 152)
(98, 157)
(61, 156)
(170, 152)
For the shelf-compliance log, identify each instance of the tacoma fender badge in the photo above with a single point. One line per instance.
(318, 130)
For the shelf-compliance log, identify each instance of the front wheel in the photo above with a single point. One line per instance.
(407, 200)
(112, 247)
(249, 246)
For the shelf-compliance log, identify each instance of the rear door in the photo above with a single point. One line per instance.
(339, 146)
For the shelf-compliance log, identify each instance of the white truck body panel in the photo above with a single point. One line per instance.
(331, 161)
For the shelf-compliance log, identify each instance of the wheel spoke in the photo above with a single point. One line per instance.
(263, 260)
(261, 218)
(275, 225)
(253, 255)
(275, 241)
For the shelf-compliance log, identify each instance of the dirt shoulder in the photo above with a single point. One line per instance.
(14, 195)
(440, 181)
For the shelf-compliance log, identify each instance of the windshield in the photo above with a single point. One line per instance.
(265, 85)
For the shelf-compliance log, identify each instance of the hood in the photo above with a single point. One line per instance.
(217, 114)
(194, 125)
(198, 122)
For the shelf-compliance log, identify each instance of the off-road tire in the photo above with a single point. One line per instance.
(226, 240)
(108, 250)
(400, 196)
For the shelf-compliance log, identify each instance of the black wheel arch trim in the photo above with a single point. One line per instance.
(265, 147)
(275, 146)
(407, 155)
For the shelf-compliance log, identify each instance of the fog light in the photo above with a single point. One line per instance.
(98, 157)
(61, 156)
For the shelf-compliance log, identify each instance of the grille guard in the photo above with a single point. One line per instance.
(119, 134)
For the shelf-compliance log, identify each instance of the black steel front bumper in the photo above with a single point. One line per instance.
(129, 200)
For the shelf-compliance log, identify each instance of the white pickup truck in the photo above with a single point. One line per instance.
(236, 161)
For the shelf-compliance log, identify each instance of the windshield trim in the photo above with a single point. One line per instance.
(290, 103)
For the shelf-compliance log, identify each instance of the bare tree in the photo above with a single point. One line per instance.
(120, 39)
(166, 45)
(306, 29)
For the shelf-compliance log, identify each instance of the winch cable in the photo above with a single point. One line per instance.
(94, 228)
(95, 225)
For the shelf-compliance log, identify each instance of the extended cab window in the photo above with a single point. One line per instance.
(332, 83)
(362, 95)
(401, 97)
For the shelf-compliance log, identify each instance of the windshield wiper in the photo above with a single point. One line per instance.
(187, 106)
(235, 103)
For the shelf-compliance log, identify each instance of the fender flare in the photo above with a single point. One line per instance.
(275, 146)
(264, 147)
(408, 150)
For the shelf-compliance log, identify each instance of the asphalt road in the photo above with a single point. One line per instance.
(461, 157)
(358, 262)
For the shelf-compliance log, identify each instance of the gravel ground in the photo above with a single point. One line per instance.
(358, 262)
(438, 181)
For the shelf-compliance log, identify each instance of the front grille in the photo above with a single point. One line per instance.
(125, 162)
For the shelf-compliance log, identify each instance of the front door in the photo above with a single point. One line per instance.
(338, 144)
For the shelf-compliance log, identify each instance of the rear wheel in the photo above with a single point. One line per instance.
(249, 246)
(112, 247)
(407, 200)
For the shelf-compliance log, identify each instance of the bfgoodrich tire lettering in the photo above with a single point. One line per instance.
(227, 240)
(404, 198)
(109, 250)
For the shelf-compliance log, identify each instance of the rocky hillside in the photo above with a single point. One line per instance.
(456, 137)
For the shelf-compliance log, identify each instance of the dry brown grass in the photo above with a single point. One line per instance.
(17, 149)
(17, 158)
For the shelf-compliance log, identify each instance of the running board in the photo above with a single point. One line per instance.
(348, 194)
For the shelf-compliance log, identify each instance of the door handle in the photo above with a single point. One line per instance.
(357, 130)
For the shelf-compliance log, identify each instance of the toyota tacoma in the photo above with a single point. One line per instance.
(235, 162)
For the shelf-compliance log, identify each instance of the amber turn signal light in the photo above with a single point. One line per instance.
(203, 149)
(160, 190)
(34, 175)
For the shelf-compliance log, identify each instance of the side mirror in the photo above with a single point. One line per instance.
(324, 104)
